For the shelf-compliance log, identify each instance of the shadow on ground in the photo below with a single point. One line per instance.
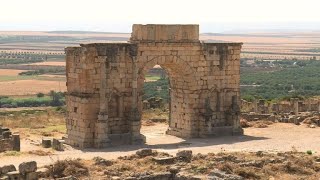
(185, 143)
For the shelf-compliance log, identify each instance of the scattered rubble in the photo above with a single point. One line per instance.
(26, 171)
(162, 166)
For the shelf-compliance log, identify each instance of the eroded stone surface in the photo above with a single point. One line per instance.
(105, 86)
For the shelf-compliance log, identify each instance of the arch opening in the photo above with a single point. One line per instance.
(179, 99)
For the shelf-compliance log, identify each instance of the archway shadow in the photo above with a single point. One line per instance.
(184, 143)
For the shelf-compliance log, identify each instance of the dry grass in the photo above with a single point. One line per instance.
(153, 114)
(64, 168)
(30, 87)
(40, 153)
(292, 165)
(49, 63)
(49, 120)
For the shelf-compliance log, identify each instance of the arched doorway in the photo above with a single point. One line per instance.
(182, 98)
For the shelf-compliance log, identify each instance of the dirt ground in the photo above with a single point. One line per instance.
(49, 63)
(10, 72)
(278, 137)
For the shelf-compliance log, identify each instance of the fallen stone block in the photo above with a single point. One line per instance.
(8, 168)
(221, 175)
(32, 176)
(46, 143)
(164, 160)
(144, 152)
(67, 178)
(3, 129)
(14, 175)
(16, 142)
(101, 161)
(57, 144)
(157, 176)
(6, 134)
(184, 155)
(28, 167)
(182, 176)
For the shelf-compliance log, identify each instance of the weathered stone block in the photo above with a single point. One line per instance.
(8, 168)
(13, 175)
(27, 167)
(144, 152)
(32, 176)
(46, 142)
(57, 144)
(184, 155)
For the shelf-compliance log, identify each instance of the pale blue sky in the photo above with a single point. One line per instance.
(118, 15)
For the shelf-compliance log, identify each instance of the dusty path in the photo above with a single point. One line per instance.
(277, 137)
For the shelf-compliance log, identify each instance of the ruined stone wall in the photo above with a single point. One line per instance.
(9, 141)
(261, 107)
(105, 85)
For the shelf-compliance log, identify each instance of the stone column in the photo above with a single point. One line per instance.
(309, 105)
(135, 116)
(101, 139)
(235, 111)
(16, 142)
(296, 106)
(255, 105)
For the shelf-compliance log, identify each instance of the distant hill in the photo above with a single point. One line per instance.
(84, 32)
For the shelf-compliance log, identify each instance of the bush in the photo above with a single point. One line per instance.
(7, 102)
(39, 95)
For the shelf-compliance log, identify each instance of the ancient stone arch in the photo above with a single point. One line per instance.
(105, 82)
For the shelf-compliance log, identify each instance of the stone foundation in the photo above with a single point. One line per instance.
(105, 86)
(9, 141)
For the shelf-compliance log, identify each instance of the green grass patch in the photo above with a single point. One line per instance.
(12, 153)
(16, 78)
(152, 78)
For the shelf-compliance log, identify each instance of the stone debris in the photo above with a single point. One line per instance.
(57, 144)
(144, 152)
(27, 167)
(100, 161)
(46, 143)
(221, 175)
(184, 155)
(164, 160)
(27, 171)
(7, 168)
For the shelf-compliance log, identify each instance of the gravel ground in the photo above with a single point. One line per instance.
(276, 138)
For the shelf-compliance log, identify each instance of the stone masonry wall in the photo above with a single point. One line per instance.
(105, 84)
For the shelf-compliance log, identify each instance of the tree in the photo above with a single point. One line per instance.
(56, 98)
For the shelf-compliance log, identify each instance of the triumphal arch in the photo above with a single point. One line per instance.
(105, 86)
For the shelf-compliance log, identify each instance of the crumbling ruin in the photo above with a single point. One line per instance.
(9, 141)
(105, 84)
(293, 111)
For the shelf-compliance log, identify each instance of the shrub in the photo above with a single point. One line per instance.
(39, 95)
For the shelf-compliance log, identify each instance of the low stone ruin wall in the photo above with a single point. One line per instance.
(255, 117)
(25, 171)
(9, 141)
